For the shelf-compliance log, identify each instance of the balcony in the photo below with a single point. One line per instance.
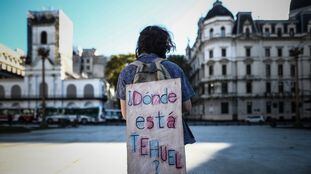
(218, 78)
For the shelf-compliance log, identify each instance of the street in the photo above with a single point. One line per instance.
(102, 149)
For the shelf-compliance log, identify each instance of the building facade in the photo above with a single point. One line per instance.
(241, 66)
(88, 64)
(53, 31)
(11, 63)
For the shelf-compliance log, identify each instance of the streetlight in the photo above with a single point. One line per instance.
(43, 52)
(295, 52)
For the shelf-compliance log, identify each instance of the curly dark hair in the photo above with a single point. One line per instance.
(154, 39)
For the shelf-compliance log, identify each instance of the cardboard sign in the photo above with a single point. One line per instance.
(155, 143)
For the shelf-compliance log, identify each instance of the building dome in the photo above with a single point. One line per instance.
(218, 10)
(297, 4)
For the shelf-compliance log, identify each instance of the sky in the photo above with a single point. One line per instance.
(113, 26)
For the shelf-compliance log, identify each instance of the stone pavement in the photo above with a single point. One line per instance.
(102, 149)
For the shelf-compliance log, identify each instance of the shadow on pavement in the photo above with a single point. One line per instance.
(250, 149)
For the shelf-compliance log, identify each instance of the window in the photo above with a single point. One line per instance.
(281, 87)
(291, 32)
(280, 52)
(247, 32)
(281, 107)
(279, 32)
(223, 32)
(88, 91)
(210, 88)
(43, 37)
(2, 94)
(267, 52)
(292, 86)
(249, 87)
(223, 52)
(268, 107)
(211, 53)
(87, 60)
(224, 88)
(249, 107)
(268, 70)
(292, 70)
(71, 91)
(248, 52)
(267, 32)
(224, 69)
(225, 108)
(87, 67)
(293, 107)
(280, 70)
(211, 70)
(268, 87)
(248, 69)
(16, 91)
(211, 33)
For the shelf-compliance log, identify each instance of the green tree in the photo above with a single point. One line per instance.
(181, 61)
(115, 65)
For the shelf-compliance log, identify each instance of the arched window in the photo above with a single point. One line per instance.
(279, 32)
(291, 32)
(211, 33)
(2, 94)
(41, 90)
(223, 31)
(247, 32)
(71, 91)
(16, 91)
(44, 37)
(88, 91)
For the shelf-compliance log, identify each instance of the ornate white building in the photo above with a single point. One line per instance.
(52, 30)
(88, 64)
(241, 66)
(11, 63)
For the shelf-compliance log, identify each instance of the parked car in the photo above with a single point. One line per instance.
(255, 119)
(112, 114)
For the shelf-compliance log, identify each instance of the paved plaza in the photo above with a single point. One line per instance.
(102, 149)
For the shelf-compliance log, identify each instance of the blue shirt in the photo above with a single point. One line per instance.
(127, 77)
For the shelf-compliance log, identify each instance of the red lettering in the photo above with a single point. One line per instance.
(163, 151)
(137, 98)
(178, 160)
(172, 97)
(171, 122)
(150, 123)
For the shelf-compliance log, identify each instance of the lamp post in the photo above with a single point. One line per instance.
(43, 52)
(295, 52)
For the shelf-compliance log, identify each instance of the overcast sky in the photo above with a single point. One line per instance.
(112, 26)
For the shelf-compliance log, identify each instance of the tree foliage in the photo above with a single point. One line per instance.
(115, 65)
(181, 61)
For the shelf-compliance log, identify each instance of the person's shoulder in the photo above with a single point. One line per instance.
(172, 67)
(127, 71)
(170, 64)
